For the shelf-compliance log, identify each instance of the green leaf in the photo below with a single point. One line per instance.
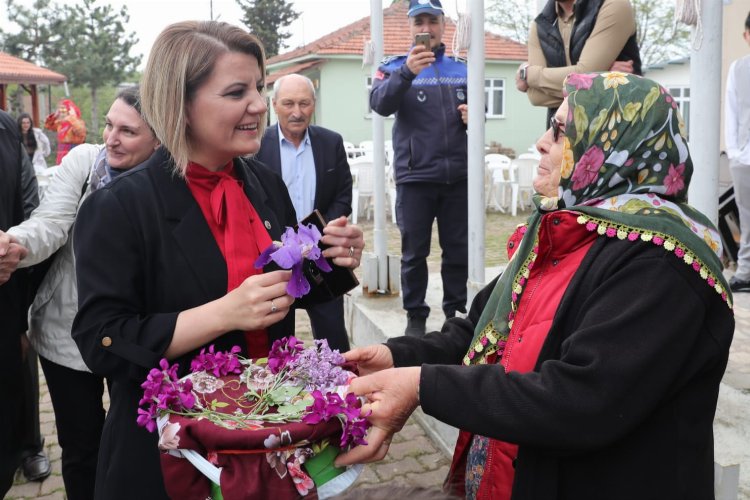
(282, 394)
(581, 122)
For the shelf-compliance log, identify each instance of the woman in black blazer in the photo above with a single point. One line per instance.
(174, 240)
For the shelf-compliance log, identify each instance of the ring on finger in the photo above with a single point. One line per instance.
(351, 251)
(273, 307)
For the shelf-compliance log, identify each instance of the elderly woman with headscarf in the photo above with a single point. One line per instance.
(70, 128)
(591, 367)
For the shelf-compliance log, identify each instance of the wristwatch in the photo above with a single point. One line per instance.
(522, 72)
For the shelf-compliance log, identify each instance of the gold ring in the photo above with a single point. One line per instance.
(273, 307)
(351, 251)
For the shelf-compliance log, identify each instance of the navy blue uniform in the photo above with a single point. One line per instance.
(430, 167)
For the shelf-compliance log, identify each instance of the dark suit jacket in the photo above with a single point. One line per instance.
(333, 186)
(144, 253)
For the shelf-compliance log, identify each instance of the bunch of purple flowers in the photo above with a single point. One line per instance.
(289, 368)
(295, 247)
(162, 391)
(347, 410)
(219, 363)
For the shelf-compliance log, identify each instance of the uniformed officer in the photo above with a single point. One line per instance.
(427, 91)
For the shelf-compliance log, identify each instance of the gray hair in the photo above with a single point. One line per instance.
(277, 84)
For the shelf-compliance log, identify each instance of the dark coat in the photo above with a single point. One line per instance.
(333, 186)
(621, 402)
(12, 303)
(144, 253)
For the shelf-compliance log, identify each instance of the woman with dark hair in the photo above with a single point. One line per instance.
(591, 366)
(184, 232)
(76, 393)
(34, 142)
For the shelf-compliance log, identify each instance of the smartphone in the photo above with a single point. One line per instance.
(423, 39)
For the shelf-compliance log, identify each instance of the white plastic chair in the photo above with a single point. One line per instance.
(524, 168)
(366, 148)
(363, 185)
(503, 178)
(351, 149)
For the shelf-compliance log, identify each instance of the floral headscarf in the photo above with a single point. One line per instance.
(625, 170)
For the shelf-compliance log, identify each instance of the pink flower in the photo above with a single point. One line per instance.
(711, 281)
(587, 169)
(679, 252)
(675, 179)
(696, 266)
(581, 81)
(611, 232)
(633, 236)
(591, 226)
(658, 241)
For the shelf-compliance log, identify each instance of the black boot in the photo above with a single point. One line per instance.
(415, 326)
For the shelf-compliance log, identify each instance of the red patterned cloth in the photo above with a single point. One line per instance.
(262, 461)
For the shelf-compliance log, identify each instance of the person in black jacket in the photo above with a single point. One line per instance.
(591, 367)
(312, 162)
(176, 240)
(12, 302)
(426, 89)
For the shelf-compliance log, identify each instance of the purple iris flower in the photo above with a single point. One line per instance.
(296, 246)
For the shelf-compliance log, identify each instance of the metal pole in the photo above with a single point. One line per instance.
(705, 112)
(378, 146)
(476, 149)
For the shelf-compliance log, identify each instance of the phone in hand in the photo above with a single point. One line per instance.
(423, 39)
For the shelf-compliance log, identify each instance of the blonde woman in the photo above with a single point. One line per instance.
(184, 232)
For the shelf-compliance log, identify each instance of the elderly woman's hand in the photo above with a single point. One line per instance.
(346, 243)
(393, 397)
(370, 359)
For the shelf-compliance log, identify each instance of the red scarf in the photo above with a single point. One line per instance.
(237, 229)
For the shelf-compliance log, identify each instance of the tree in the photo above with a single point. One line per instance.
(94, 49)
(85, 42)
(266, 19)
(35, 30)
(658, 37)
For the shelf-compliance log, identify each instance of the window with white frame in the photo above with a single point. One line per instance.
(681, 96)
(494, 97)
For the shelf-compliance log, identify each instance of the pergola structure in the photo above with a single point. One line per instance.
(28, 75)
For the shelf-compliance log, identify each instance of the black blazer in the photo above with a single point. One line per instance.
(144, 253)
(333, 186)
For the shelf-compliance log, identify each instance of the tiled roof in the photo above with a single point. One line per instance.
(350, 39)
(288, 70)
(15, 70)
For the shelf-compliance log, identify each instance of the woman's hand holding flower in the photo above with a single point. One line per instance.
(392, 396)
(346, 242)
(260, 301)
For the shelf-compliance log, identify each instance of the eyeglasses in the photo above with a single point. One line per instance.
(557, 127)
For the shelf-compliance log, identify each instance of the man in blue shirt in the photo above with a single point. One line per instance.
(312, 162)
(427, 91)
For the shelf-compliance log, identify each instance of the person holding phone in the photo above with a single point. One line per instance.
(427, 91)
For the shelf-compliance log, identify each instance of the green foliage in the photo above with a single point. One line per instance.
(86, 42)
(267, 19)
(36, 30)
(658, 37)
